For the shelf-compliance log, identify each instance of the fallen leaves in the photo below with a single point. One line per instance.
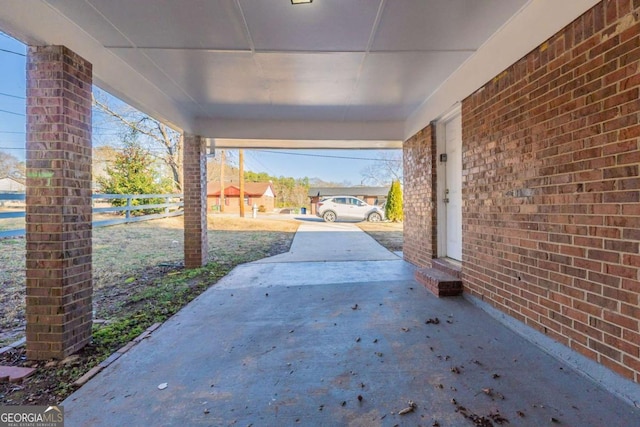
(434, 321)
(479, 420)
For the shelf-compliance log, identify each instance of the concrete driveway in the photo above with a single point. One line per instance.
(336, 332)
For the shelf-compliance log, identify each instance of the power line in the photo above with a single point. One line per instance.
(262, 165)
(12, 96)
(13, 52)
(11, 112)
(328, 156)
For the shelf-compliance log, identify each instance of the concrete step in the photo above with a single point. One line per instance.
(452, 268)
(440, 283)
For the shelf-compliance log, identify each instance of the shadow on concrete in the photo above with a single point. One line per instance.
(334, 343)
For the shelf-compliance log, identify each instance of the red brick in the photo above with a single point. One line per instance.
(195, 201)
(622, 321)
(561, 127)
(616, 366)
(58, 205)
(420, 197)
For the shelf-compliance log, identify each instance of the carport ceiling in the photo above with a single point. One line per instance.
(330, 70)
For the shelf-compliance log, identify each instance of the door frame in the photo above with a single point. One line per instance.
(441, 218)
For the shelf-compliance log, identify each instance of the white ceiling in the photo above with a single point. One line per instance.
(340, 70)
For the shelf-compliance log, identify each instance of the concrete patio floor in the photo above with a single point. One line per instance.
(335, 333)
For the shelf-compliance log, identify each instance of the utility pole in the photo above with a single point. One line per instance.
(222, 201)
(241, 164)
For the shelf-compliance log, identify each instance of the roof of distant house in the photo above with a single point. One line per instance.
(348, 191)
(13, 178)
(251, 189)
(11, 184)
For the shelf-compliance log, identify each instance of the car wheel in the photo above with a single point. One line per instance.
(374, 217)
(329, 216)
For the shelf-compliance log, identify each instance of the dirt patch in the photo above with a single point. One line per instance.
(139, 279)
(388, 234)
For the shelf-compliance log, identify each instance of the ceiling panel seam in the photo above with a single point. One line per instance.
(292, 51)
(374, 29)
(265, 82)
(108, 21)
(136, 48)
(97, 42)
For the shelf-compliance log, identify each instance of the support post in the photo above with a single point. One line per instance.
(241, 173)
(195, 201)
(58, 203)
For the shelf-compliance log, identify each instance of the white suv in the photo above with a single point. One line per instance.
(347, 207)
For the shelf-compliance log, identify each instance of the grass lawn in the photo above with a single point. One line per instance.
(388, 234)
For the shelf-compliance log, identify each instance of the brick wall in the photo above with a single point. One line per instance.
(58, 202)
(195, 201)
(419, 197)
(551, 188)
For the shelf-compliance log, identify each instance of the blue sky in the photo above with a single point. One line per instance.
(12, 93)
(324, 164)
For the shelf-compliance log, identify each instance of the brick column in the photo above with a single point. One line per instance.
(196, 243)
(58, 205)
(420, 197)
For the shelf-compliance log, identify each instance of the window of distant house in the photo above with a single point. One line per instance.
(246, 200)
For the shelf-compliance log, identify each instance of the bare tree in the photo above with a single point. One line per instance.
(164, 143)
(11, 166)
(385, 170)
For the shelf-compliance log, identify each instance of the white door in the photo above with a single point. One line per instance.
(453, 187)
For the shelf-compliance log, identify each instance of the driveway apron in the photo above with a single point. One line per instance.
(336, 332)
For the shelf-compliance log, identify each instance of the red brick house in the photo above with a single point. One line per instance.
(530, 189)
(258, 193)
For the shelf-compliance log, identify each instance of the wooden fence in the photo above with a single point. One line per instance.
(172, 206)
